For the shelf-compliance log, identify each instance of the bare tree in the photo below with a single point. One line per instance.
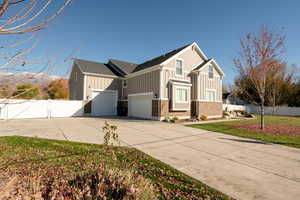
(20, 20)
(258, 58)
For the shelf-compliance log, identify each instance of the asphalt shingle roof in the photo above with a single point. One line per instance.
(94, 67)
(126, 67)
(158, 60)
(123, 68)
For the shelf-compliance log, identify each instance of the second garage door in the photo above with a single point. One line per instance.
(140, 105)
(104, 103)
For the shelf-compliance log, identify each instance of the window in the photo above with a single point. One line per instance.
(181, 95)
(179, 67)
(210, 95)
(76, 76)
(210, 71)
(124, 83)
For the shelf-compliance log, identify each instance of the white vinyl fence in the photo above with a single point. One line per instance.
(281, 110)
(26, 109)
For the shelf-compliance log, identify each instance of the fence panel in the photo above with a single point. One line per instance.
(27, 109)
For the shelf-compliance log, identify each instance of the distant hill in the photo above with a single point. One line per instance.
(40, 80)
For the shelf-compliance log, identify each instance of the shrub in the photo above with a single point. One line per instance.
(167, 119)
(225, 113)
(204, 117)
(99, 184)
(175, 118)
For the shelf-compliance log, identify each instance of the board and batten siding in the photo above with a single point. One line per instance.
(76, 83)
(148, 82)
(206, 83)
(191, 59)
(102, 83)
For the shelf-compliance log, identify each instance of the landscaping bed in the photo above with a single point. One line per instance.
(278, 129)
(47, 169)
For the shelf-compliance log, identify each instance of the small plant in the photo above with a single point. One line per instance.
(175, 118)
(110, 134)
(204, 117)
(167, 119)
(226, 114)
(110, 137)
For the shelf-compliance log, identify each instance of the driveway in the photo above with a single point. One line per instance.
(241, 168)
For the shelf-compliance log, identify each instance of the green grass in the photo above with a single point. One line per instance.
(226, 127)
(21, 153)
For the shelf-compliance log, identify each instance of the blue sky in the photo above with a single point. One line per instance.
(137, 30)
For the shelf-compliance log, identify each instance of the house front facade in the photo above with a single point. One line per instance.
(182, 83)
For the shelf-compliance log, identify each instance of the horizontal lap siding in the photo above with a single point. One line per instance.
(101, 83)
(148, 82)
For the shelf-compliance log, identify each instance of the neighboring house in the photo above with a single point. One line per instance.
(182, 83)
(230, 98)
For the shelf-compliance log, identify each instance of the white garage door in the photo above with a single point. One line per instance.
(140, 105)
(104, 103)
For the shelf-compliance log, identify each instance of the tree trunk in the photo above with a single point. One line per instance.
(262, 116)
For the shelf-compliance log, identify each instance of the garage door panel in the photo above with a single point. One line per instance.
(104, 103)
(140, 106)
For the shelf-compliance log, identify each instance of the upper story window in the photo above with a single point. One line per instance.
(210, 71)
(125, 83)
(179, 67)
(76, 78)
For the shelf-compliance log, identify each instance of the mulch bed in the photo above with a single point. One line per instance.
(274, 129)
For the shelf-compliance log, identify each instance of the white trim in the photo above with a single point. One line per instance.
(178, 83)
(216, 65)
(182, 67)
(210, 90)
(184, 50)
(204, 100)
(187, 94)
(181, 80)
(161, 84)
(101, 75)
(172, 69)
(84, 87)
(140, 94)
(123, 100)
(75, 62)
(144, 71)
(181, 109)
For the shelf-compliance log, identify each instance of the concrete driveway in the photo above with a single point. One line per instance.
(241, 168)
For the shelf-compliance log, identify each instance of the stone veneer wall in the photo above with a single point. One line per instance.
(161, 108)
(209, 109)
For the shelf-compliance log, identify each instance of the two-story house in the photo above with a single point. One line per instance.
(182, 83)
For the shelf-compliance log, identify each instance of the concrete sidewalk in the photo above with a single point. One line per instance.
(241, 168)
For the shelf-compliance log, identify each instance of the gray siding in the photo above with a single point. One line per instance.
(102, 83)
(148, 82)
(76, 85)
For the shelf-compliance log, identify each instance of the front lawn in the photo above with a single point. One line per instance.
(279, 129)
(49, 168)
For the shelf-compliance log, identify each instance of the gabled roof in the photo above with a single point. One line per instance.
(93, 67)
(218, 68)
(126, 67)
(158, 60)
(202, 64)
